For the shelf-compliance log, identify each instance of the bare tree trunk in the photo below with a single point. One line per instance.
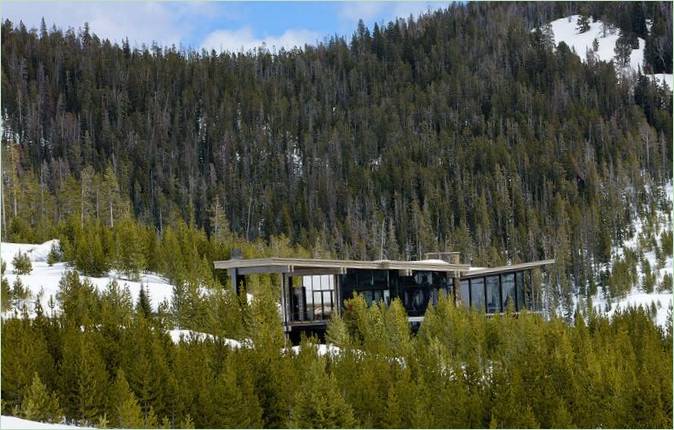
(82, 205)
(381, 248)
(250, 204)
(112, 221)
(4, 222)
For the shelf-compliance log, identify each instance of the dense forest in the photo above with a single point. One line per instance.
(466, 129)
(108, 362)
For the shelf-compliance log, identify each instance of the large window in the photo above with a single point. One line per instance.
(508, 291)
(319, 295)
(477, 293)
(529, 299)
(519, 285)
(465, 292)
(377, 295)
(493, 295)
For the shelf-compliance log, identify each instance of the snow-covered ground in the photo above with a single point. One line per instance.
(637, 297)
(7, 422)
(46, 278)
(186, 335)
(564, 30)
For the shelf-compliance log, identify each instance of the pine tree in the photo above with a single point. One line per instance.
(623, 50)
(583, 23)
(337, 332)
(318, 404)
(22, 264)
(124, 409)
(233, 399)
(129, 254)
(39, 405)
(6, 298)
(143, 305)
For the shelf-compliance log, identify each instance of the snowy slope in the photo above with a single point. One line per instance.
(637, 297)
(564, 30)
(7, 422)
(46, 278)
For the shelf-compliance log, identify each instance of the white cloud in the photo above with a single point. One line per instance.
(369, 12)
(243, 40)
(404, 10)
(353, 11)
(142, 22)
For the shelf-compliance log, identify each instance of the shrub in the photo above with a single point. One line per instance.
(666, 241)
(6, 295)
(666, 285)
(54, 255)
(19, 291)
(22, 264)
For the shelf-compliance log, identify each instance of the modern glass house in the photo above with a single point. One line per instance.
(313, 289)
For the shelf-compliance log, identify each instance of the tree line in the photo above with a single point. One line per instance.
(106, 361)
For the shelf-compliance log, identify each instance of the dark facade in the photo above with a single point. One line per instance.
(315, 299)
(312, 290)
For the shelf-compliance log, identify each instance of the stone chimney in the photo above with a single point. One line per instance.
(448, 256)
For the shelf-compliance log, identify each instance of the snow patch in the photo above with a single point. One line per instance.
(564, 30)
(46, 278)
(637, 297)
(187, 335)
(321, 349)
(7, 422)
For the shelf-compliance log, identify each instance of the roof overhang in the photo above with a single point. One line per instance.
(506, 269)
(307, 266)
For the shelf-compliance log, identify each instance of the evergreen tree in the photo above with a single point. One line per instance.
(22, 264)
(623, 50)
(124, 409)
(318, 403)
(40, 405)
(143, 305)
(583, 23)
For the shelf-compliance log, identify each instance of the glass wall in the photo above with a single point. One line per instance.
(477, 293)
(519, 286)
(373, 285)
(442, 286)
(465, 292)
(493, 294)
(508, 291)
(319, 296)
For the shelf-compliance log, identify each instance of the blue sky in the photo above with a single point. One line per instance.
(213, 25)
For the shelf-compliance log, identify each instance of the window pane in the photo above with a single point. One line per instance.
(477, 293)
(508, 291)
(493, 298)
(387, 297)
(519, 282)
(464, 293)
(367, 294)
(528, 291)
(327, 304)
(318, 307)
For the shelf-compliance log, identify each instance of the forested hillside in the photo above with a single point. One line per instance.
(463, 130)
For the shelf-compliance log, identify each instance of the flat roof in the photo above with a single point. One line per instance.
(317, 265)
(480, 271)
